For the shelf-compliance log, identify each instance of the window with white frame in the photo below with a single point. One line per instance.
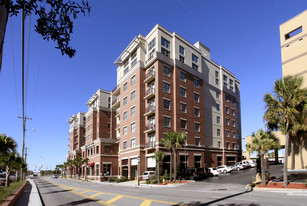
(125, 130)
(218, 107)
(133, 80)
(233, 135)
(152, 44)
(125, 115)
(194, 66)
(133, 111)
(227, 133)
(197, 127)
(133, 127)
(197, 141)
(183, 124)
(151, 140)
(166, 104)
(196, 112)
(125, 86)
(165, 43)
(217, 95)
(132, 95)
(182, 92)
(227, 121)
(166, 87)
(181, 50)
(125, 101)
(107, 169)
(233, 124)
(218, 119)
(125, 145)
(181, 58)
(218, 132)
(194, 59)
(165, 52)
(196, 83)
(183, 108)
(167, 122)
(166, 71)
(196, 97)
(182, 76)
(132, 143)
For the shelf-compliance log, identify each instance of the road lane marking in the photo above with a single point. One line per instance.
(114, 199)
(99, 193)
(146, 203)
(84, 191)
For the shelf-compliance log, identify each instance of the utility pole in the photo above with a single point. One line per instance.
(26, 154)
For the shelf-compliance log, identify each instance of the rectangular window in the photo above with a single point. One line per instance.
(133, 80)
(167, 122)
(182, 76)
(225, 78)
(109, 125)
(196, 97)
(218, 132)
(217, 74)
(126, 70)
(125, 86)
(133, 127)
(165, 43)
(107, 149)
(197, 127)
(132, 143)
(166, 104)
(227, 133)
(181, 50)
(152, 44)
(233, 146)
(125, 115)
(233, 135)
(218, 144)
(232, 112)
(195, 66)
(125, 101)
(183, 108)
(125, 130)
(196, 83)
(227, 121)
(166, 71)
(227, 110)
(125, 145)
(196, 112)
(166, 87)
(183, 124)
(97, 169)
(151, 141)
(218, 107)
(107, 170)
(227, 145)
(194, 59)
(232, 101)
(197, 141)
(230, 82)
(225, 84)
(217, 95)
(226, 98)
(217, 81)
(233, 123)
(133, 111)
(132, 95)
(293, 33)
(182, 92)
(218, 119)
(181, 58)
(165, 52)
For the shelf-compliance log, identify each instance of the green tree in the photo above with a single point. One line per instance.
(159, 156)
(70, 164)
(262, 142)
(55, 18)
(85, 161)
(173, 141)
(78, 162)
(286, 110)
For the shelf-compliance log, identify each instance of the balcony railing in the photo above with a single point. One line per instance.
(117, 125)
(149, 92)
(150, 110)
(150, 127)
(117, 112)
(150, 145)
(115, 101)
(115, 88)
(151, 57)
(150, 74)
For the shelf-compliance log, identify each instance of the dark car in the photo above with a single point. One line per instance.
(192, 173)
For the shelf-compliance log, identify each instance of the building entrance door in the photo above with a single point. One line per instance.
(134, 172)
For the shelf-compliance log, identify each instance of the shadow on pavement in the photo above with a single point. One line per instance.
(25, 196)
(198, 203)
(83, 201)
(56, 191)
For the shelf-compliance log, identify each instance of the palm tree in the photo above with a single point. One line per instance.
(262, 142)
(85, 161)
(70, 164)
(159, 156)
(78, 162)
(286, 110)
(7, 145)
(173, 141)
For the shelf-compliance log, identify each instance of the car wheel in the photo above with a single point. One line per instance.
(192, 178)
(238, 169)
(224, 171)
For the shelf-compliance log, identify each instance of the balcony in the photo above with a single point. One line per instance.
(116, 90)
(117, 126)
(117, 112)
(116, 102)
(149, 110)
(149, 93)
(149, 76)
(118, 136)
(150, 59)
(149, 145)
(150, 128)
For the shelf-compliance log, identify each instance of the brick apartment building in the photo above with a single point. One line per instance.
(164, 83)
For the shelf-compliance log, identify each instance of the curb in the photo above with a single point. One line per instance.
(13, 198)
(277, 189)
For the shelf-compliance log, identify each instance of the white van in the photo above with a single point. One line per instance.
(148, 174)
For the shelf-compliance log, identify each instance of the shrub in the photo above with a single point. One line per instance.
(148, 181)
(111, 179)
(122, 179)
(154, 181)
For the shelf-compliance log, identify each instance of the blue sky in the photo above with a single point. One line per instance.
(242, 35)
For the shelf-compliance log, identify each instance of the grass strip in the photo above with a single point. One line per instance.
(5, 192)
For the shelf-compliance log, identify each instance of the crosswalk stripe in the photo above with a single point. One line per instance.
(114, 199)
(146, 203)
(84, 191)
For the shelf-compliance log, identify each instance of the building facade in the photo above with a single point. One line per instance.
(293, 44)
(164, 83)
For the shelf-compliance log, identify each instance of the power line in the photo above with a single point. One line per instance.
(14, 66)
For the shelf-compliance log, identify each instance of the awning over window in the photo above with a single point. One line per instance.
(91, 164)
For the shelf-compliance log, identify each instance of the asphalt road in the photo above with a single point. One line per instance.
(212, 191)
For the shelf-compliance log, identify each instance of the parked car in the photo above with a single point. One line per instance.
(192, 173)
(245, 163)
(234, 167)
(213, 171)
(224, 169)
(148, 174)
(251, 163)
(240, 166)
(54, 176)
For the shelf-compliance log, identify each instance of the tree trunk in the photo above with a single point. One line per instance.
(85, 172)
(300, 149)
(292, 153)
(158, 172)
(7, 178)
(286, 160)
(171, 165)
(262, 156)
(175, 165)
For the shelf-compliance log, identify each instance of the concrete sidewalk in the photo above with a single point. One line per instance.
(30, 196)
